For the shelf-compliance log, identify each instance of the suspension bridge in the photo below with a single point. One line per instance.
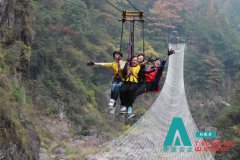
(144, 140)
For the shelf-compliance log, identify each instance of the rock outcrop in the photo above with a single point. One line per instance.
(18, 138)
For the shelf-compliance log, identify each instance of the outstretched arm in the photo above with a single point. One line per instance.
(170, 52)
(161, 68)
(91, 63)
(166, 58)
(103, 64)
(149, 60)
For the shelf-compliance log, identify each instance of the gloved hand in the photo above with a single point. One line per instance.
(150, 59)
(91, 63)
(170, 52)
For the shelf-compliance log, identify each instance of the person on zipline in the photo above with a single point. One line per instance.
(129, 86)
(118, 77)
(143, 62)
(132, 72)
(151, 80)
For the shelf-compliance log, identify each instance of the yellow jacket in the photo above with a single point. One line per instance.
(132, 74)
(115, 68)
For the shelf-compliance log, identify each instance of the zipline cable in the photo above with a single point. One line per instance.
(75, 4)
(114, 6)
(139, 11)
(96, 6)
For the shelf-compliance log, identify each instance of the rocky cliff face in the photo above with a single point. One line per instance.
(18, 139)
(16, 21)
(13, 145)
(7, 17)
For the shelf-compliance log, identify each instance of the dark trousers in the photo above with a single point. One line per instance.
(127, 93)
(152, 86)
(141, 89)
(115, 89)
(144, 88)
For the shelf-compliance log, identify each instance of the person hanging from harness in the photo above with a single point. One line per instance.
(118, 77)
(151, 80)
(130, 85)
(142, 79)
(142, 62)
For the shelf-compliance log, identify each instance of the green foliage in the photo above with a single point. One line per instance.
(45, 136)
(214, 71)
(229, 123)
(195, 78)
(67, 37)
(15, 57)
(3, 66)
(25, 49)
(17, 116)
(17, 93)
